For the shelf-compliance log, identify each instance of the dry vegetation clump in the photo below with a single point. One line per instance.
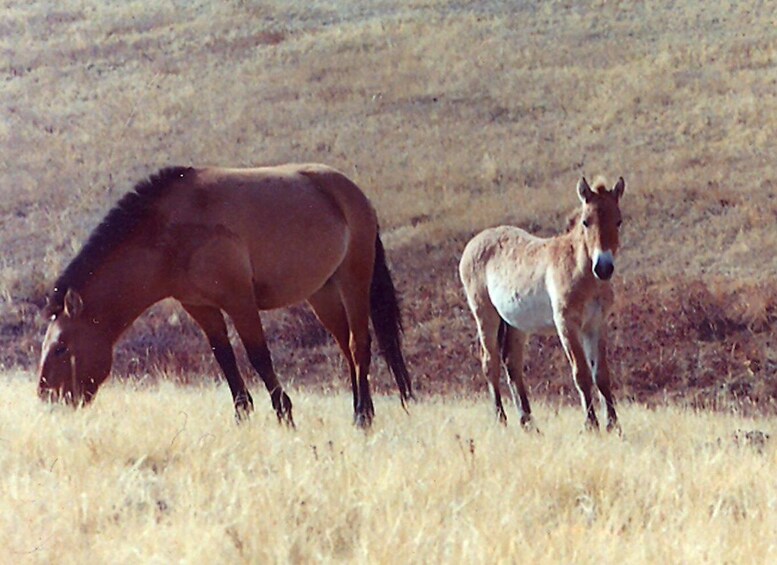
(453, 117)
(161, 473)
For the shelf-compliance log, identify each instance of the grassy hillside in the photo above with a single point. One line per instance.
(164, 475)
(453, 118)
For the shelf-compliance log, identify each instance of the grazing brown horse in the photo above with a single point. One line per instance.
(232, 241)
(519, 284)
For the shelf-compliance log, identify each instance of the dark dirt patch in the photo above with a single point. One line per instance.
(709, 344)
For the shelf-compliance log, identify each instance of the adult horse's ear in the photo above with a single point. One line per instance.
(48, 308)
(74, 304)
(584, 191)
(617, 190)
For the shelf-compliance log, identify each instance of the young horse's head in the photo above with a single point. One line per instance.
(76, 356)
(601, 220)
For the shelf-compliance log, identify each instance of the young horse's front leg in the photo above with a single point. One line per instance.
(595, 346)
(569, 334)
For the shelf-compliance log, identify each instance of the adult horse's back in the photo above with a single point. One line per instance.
(232, 241)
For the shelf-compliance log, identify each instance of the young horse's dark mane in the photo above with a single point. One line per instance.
(118, 225)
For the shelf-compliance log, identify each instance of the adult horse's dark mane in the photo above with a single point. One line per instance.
(118, 225)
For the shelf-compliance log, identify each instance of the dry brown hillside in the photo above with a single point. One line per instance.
(453, 116)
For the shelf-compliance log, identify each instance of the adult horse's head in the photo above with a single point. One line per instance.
(601, 221)
(76, 356)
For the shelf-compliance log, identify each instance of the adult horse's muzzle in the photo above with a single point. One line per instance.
(604, 265)
(69, 392)
(60, 395)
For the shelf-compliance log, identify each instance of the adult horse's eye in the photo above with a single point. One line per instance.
(586, 223)
(60, 350)
(620, 222)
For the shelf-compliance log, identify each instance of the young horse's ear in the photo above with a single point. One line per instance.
(584, 191)
(74, 304)
(617, 190)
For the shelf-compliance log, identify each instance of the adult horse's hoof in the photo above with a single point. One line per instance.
(363, 420)
(364, 413)
(282, 405)
(244, 405)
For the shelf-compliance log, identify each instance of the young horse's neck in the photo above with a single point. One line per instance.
(122, 288)
(575, 239)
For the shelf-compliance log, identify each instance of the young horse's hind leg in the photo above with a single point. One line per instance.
(595, 347)
(488, 324)
(512, 354)
(211, 320)
(328, 306)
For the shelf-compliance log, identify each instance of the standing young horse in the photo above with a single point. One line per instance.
(232, 241)
(519, 284)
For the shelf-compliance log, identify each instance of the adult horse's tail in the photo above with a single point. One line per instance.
(387, 321)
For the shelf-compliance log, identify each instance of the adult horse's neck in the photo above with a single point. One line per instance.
(123, 287)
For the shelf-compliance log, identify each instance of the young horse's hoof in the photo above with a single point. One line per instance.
(529, 426)
(591, 426)
(615, 427)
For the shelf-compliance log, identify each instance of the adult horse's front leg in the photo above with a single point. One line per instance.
(249, 327)
(211, 320)
(569, 334)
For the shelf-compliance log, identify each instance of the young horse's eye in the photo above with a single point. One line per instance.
(586, 223)
(60, 350)
(620, 222)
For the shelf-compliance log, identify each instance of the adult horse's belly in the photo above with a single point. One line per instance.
(293, 271)
(528, 310)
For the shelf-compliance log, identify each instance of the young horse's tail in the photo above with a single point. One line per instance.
(387, 321)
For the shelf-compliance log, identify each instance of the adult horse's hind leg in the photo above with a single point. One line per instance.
(353, 282)
(328, 306)
(513, 342)
(211, 320)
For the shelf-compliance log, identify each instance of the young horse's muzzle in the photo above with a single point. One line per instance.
(604, 265)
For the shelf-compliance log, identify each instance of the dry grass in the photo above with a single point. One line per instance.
(163, 474)
(452, 119)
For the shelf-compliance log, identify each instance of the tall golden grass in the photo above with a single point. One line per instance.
(164, 474)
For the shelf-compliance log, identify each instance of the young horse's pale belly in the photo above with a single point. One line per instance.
(528, 310)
